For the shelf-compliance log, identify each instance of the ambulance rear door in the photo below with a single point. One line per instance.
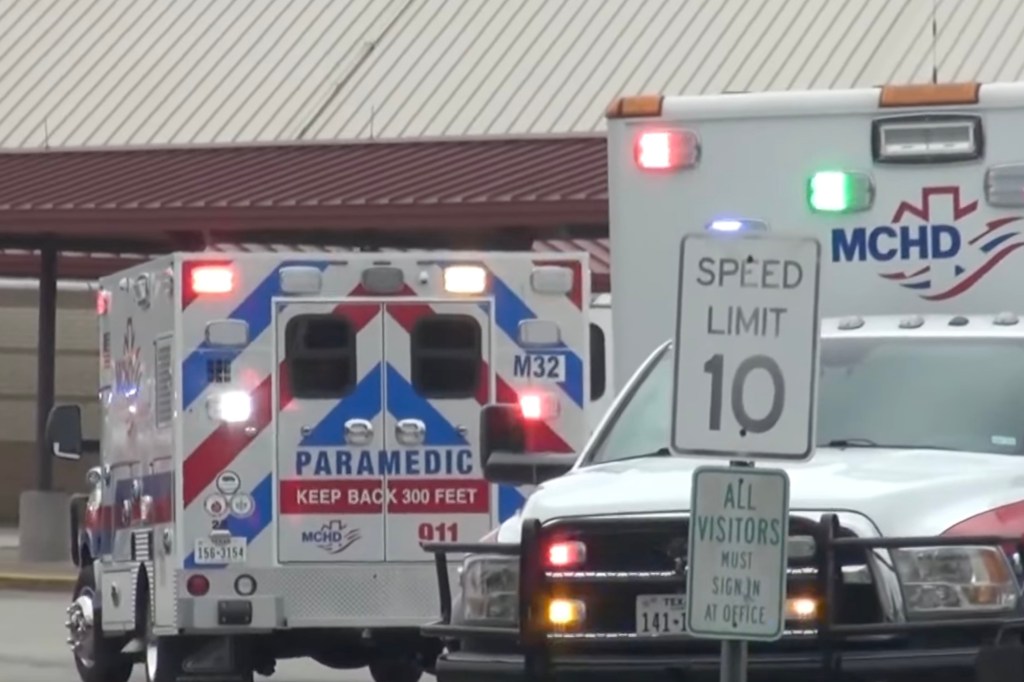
(330, 430)
(437, 377)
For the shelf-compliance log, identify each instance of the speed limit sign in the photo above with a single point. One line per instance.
(746, 346)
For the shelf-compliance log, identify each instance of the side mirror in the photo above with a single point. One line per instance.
(64, 432)
(504, 435)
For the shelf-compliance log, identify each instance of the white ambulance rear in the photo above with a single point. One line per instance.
(282, 431)
(916, 193)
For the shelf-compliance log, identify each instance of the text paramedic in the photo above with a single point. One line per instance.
(383, 462)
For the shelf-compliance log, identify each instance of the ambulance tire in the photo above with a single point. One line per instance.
(108, 664)
(395, 670)
(163, 657)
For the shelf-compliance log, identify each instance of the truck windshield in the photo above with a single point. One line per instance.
(928, 392)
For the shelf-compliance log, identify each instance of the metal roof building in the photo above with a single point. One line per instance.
(141, 72)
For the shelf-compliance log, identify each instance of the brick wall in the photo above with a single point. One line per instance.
(76, 379)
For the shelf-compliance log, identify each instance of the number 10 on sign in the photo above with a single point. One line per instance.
(746, 346)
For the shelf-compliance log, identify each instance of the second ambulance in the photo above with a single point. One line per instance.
(281, 431)
(904, 559)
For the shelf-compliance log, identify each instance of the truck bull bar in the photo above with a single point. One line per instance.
(999, 659)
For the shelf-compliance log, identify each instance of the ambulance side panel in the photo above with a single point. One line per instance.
(929, 242)
(138, 441)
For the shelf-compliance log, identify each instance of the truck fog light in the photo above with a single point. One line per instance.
(801, 608)
(563, 612)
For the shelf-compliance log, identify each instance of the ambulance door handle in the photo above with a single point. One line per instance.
(410, 431)
(358, 431)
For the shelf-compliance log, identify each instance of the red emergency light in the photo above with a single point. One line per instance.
(102, 302)
(661, 149)
(531, 406)
(212, 279)
(565, 554)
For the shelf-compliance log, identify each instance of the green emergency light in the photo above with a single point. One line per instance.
(837, 191)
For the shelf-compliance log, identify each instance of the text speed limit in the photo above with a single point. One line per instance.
(746, 346)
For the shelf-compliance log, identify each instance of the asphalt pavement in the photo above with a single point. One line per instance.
(32, 646)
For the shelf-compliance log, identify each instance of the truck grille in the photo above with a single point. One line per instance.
(628, 558)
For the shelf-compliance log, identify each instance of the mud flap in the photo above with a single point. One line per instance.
(214, 656)
(1000, 662)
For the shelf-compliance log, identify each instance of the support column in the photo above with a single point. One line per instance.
(46, 361)
(44, 525)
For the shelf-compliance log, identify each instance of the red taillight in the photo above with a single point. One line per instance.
(661, 149)
(532, 406)
(1006, 520)
(212, 279)
(197, 585)
(567, 553)
(102, 302)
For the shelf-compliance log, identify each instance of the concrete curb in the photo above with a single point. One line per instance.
(37, 583)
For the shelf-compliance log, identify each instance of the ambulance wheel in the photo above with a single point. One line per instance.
(97, 658)
(395, 670)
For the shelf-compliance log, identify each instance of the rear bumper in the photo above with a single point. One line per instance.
(371, 595)
(960, 663)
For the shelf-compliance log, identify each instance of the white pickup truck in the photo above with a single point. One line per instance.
(904, 558)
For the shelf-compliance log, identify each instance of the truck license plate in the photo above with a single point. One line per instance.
(660, 614)
(233, 552)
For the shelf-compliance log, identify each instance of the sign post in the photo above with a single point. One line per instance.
(746, 369)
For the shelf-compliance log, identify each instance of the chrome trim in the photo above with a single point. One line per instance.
(852, 575)
(809, 632)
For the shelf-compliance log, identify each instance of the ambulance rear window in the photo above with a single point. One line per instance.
(320, 352)
(446, 356)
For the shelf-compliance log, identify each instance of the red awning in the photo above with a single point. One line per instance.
(446, 187)
(19, 263)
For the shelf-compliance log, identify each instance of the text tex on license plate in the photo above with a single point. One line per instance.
(660, 614)
(231, 552)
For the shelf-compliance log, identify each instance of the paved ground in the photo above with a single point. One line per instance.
(16, 574)
(32, 646)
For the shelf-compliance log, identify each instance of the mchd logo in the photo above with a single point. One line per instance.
(334, 537)
(949, 257)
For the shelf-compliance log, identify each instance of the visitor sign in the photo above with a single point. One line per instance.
(736, 576)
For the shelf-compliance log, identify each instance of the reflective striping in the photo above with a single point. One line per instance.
(251, 526)
(510, 501)
(364, 402)
(227, 441)
(509, 311)
(255, 310)
(575, 294)
(405, 403)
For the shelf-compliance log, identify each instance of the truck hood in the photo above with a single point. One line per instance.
(902, 492)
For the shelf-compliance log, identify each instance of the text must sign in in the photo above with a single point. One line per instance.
(736, 565)
(746, 346)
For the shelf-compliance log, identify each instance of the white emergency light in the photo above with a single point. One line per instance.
(465, 279)
(736, 225)
(232, 407)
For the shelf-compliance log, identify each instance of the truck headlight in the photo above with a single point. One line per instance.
(955, 579)
(490, 588)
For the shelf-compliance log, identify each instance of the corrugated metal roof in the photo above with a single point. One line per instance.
(82, 265)
(457, 184)
(193, 71)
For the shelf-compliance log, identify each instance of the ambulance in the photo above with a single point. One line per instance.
(905, 527)
(281, 431)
